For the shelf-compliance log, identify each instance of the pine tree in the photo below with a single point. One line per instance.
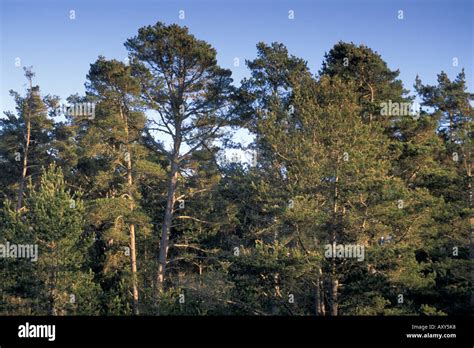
(24, 140)
(448, 102)
(332, 169)
(115, 89)
(112, 163)
(59, 281)
(182, 82)
(375, 82)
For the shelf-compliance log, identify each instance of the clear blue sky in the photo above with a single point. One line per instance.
(41, 34)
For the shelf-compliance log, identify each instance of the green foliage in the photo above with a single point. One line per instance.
(59, 282)
(243, 239)
(31, 113)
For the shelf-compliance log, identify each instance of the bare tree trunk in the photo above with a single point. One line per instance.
(25, 166)
(323, 298)
(319, 295)
(170, 200)
(133, 249)
(333, 281)
(164, 242)
(25, 155)
(333, 299)
(133, 261)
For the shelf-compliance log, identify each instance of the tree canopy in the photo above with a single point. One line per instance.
(351, 204)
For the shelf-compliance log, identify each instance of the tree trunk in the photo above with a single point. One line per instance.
(333, 281)
(164, 242)
(319, 295)
(323, 305)
(333, 292)
(133, 249)
(133, 261)
(25, 157)
(170, 200)
(25, 163)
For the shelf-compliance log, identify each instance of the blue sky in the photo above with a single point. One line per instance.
(41, 34)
